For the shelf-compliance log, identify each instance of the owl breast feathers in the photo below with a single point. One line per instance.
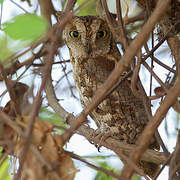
(94, 55)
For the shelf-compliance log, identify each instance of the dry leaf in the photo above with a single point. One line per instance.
(55, 164)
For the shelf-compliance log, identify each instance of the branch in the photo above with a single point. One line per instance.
(47, 9)
(122, 147)
(53, 101)
(121, 25)
(70, 5)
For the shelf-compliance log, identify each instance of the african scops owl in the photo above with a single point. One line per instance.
(94, 54)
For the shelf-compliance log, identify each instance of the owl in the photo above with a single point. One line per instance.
(94, 54)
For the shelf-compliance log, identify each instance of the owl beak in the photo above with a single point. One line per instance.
(89, 48)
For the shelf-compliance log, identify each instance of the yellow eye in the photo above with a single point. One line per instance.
(101, 34)
(74, 34)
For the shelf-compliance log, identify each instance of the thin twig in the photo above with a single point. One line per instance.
(164, 65)
(62, 77)
(163, 166)
(121, 24)
(16, 65)
(19, 54)
(139, 17)
(161, 143)
(111, 22)
(59, 62)
(19, 6)
(152, 64)
(10, 89)
(67, 79)
(161, 41)
(156, 77)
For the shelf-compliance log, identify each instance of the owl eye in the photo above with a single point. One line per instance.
(74, 34)
(101, 34)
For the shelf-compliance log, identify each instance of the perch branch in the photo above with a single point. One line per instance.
(124, 148)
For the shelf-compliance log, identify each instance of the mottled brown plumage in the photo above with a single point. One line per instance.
(94, 55)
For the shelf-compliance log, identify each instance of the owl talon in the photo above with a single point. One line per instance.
(99, 137)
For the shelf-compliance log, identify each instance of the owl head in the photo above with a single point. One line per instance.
(87, 37)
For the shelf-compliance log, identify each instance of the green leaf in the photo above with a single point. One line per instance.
(88, 9)
(100, 175)
(136, 177)
(4, 170)
(1, 1)
(51, 117)
(26, 27)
